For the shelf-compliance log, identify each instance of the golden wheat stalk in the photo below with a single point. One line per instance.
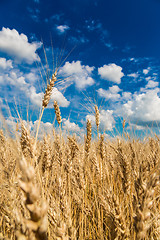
(57, 112)
(144, 213)
(37, 225)
(48, 90)
(25, 142)
(88, 138)
(45, 101)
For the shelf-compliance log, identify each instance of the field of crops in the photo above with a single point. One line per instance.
(60, 188)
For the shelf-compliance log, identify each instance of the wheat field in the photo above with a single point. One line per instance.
(60, 188)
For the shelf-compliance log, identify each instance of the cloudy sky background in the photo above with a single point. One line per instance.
(108, 54)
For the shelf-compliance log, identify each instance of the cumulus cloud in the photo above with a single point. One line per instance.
(80, 74)
(36, 98)
(114, 89)
(142, 109)
(4, 64)
(11, 123)
(14, 78)
(152, 84)
(62, 28)
(70, 126)
(45, 127)
(112, 93)
(32, 76)
(106, 120)
(58, 96)
(126, 96)
(17, 46)
(111, 72)
(17, 79)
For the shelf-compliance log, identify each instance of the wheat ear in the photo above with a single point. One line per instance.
(143, 211)
(88, 138)
(37, 225)
(25, 141)
(57, 112)
(46, 99)
(48, 90)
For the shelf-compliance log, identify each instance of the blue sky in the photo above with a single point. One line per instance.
(108, 53)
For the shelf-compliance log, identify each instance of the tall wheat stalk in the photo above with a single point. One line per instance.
(46, 100)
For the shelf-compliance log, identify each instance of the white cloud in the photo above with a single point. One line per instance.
(112, 93)
(11, 123)
(17, 46)
(146, 71)
(32, 76)
(142, 109)
(62, 28)
(83, 82)
(106, 120)
(23, 84)
(14, 78)
(2, 80)
(111, 72)
(70, 126)
(133, 126)
(114, 89)
(126, 95)
(4, 64)
(75, 67)
(3, 105)
(78, 73)
(134, 75)
(152, 84)
(148, 78)
(58, 96)
(45, 128)
(36, 98)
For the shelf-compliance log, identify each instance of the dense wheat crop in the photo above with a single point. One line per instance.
(109, 190)
(60, 188)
